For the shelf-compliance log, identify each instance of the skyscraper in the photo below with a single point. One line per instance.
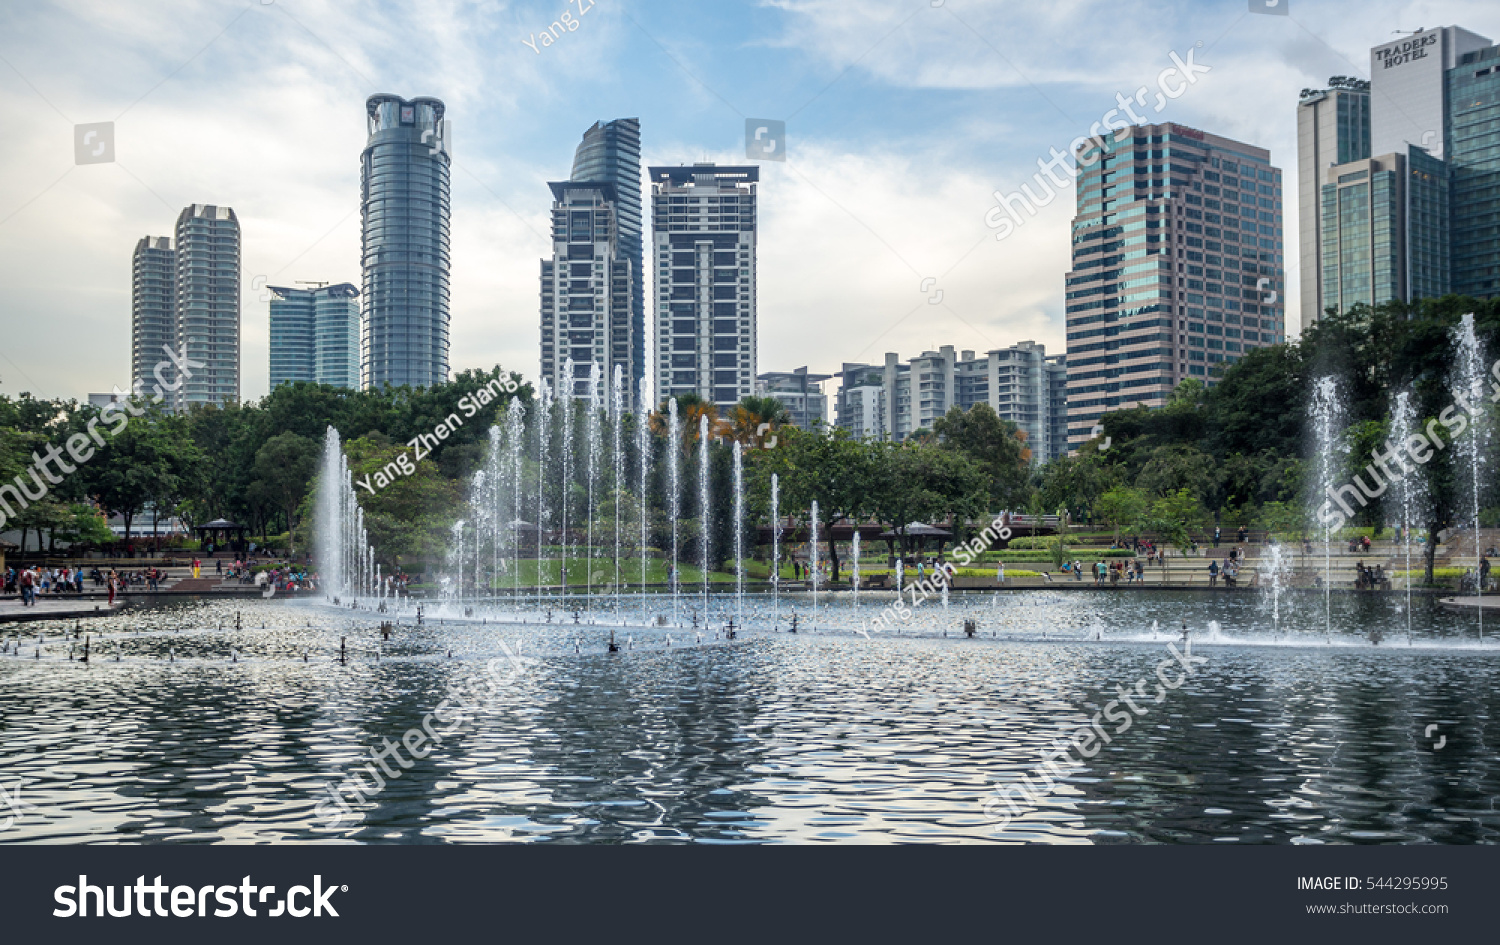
(315, 335)
(1333, 127)
(1384, 230)
(293, 336)
(207, 304)
(611, 152)
(1474, 154)
(703, 230)
(586, 286)
(1409, 92)
(153, 309)
(1418, 214)
(1178, 266)
(405, 211)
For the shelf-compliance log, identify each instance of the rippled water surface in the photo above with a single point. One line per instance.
(183, 729)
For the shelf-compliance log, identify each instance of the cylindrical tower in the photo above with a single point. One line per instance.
(405, 213)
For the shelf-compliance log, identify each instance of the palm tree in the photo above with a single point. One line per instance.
(691, 408)
(751, 414)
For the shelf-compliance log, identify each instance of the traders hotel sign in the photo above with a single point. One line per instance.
(1397, 53)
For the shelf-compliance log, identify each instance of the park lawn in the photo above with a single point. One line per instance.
(601, 571)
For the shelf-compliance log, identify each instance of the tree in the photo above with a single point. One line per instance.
(285, 466)
(1122, 506)
(997, 446)
(1175, 517)
(137, 462)
(825, 465)
(911, 482)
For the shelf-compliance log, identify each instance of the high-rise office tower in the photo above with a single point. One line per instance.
(1409, 92)
(1333, 127)
(1383, 231)
(1409, 218)
(1178, 266)
(293, 336)
(315, 335)
(703, 233)
(153, 309)
(611, 152)
(586, 289)
(405, 212)
(1474, 155)
(208, 304)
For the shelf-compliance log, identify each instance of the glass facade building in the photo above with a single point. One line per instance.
(1419, 215)
(1474, 154)
(293, 336)
(586, 291)
(1333, 127)
(1178, 266)
(611, 152)
(405, 253)
(208, 304)
(153, 309)
(315, 335)
(703, 232)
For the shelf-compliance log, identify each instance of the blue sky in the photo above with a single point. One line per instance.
(903, 118)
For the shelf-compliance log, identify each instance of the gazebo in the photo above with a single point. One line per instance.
(219, 532)
(921, 532)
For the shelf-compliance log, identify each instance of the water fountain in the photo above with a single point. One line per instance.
(617, 455)
(343, 546)
(1468, 385)
(674, 461)
(812, 558)
(739, 535)
(643, 447)
(705, 511)
(855, 555)
(1327, 414)
(1409, 489)
(591, 414)
(543, 447)
(1273, 569)
(775, 551)
(565, 407)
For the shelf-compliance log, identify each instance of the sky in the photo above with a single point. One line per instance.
(904, 117)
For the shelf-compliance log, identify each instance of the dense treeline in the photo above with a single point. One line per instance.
(1241, 450)
(1232, 453)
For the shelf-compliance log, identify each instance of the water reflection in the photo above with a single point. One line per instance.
(202, 734)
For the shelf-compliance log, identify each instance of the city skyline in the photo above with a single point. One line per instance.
(894, 230)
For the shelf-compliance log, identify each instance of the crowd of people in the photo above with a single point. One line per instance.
(28, 582)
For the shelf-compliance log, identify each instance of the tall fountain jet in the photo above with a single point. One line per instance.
(1409, 491)
(1468, 384)
(674, 461)
(1327, 412)
(346, 562)
(705, 513)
